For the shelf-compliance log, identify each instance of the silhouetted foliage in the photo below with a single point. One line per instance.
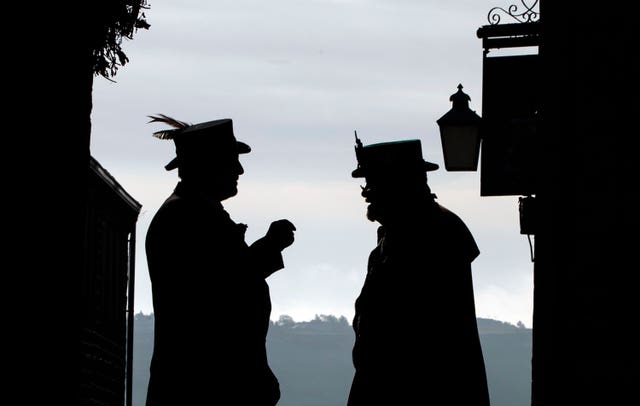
(285, 321)
(114, 20)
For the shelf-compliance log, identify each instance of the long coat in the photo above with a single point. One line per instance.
(211, 307)
(417, 340)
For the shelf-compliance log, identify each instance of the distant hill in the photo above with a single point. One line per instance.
(312, 360)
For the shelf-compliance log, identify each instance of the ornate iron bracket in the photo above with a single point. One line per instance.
(529, 15)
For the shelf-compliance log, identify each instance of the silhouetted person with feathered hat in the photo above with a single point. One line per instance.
(211, 301)
(416, 336)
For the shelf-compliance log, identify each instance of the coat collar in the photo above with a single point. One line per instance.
(187, 191)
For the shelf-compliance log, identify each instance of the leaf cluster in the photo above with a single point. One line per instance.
(112, 21)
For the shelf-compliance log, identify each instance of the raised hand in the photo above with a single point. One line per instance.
(280, 233)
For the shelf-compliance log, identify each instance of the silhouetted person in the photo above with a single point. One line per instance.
(418, 278)
(211, 302)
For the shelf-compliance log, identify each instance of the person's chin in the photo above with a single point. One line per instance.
(230, 192)
(372, 213)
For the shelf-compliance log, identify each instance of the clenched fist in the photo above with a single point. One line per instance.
(280, 233)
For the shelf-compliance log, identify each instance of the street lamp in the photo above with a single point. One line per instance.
(460, 134)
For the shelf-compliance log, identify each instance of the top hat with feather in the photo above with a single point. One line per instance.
(390, 159)
(199, 142)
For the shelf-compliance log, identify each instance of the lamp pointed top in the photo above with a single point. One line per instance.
(460, 99)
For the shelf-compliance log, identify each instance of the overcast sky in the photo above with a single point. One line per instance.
(298, 77)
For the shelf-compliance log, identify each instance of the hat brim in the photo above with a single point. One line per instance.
(362, 173)
(241, 147)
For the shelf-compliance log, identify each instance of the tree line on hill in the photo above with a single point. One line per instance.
(312, 359)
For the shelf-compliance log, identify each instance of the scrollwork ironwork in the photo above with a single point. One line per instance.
(529, 15)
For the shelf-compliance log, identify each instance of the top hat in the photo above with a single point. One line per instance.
(390, 159)
(202, 142)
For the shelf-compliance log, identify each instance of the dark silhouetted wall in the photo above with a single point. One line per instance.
(588, 197)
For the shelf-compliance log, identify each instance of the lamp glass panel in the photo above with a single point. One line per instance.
(460, 147)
